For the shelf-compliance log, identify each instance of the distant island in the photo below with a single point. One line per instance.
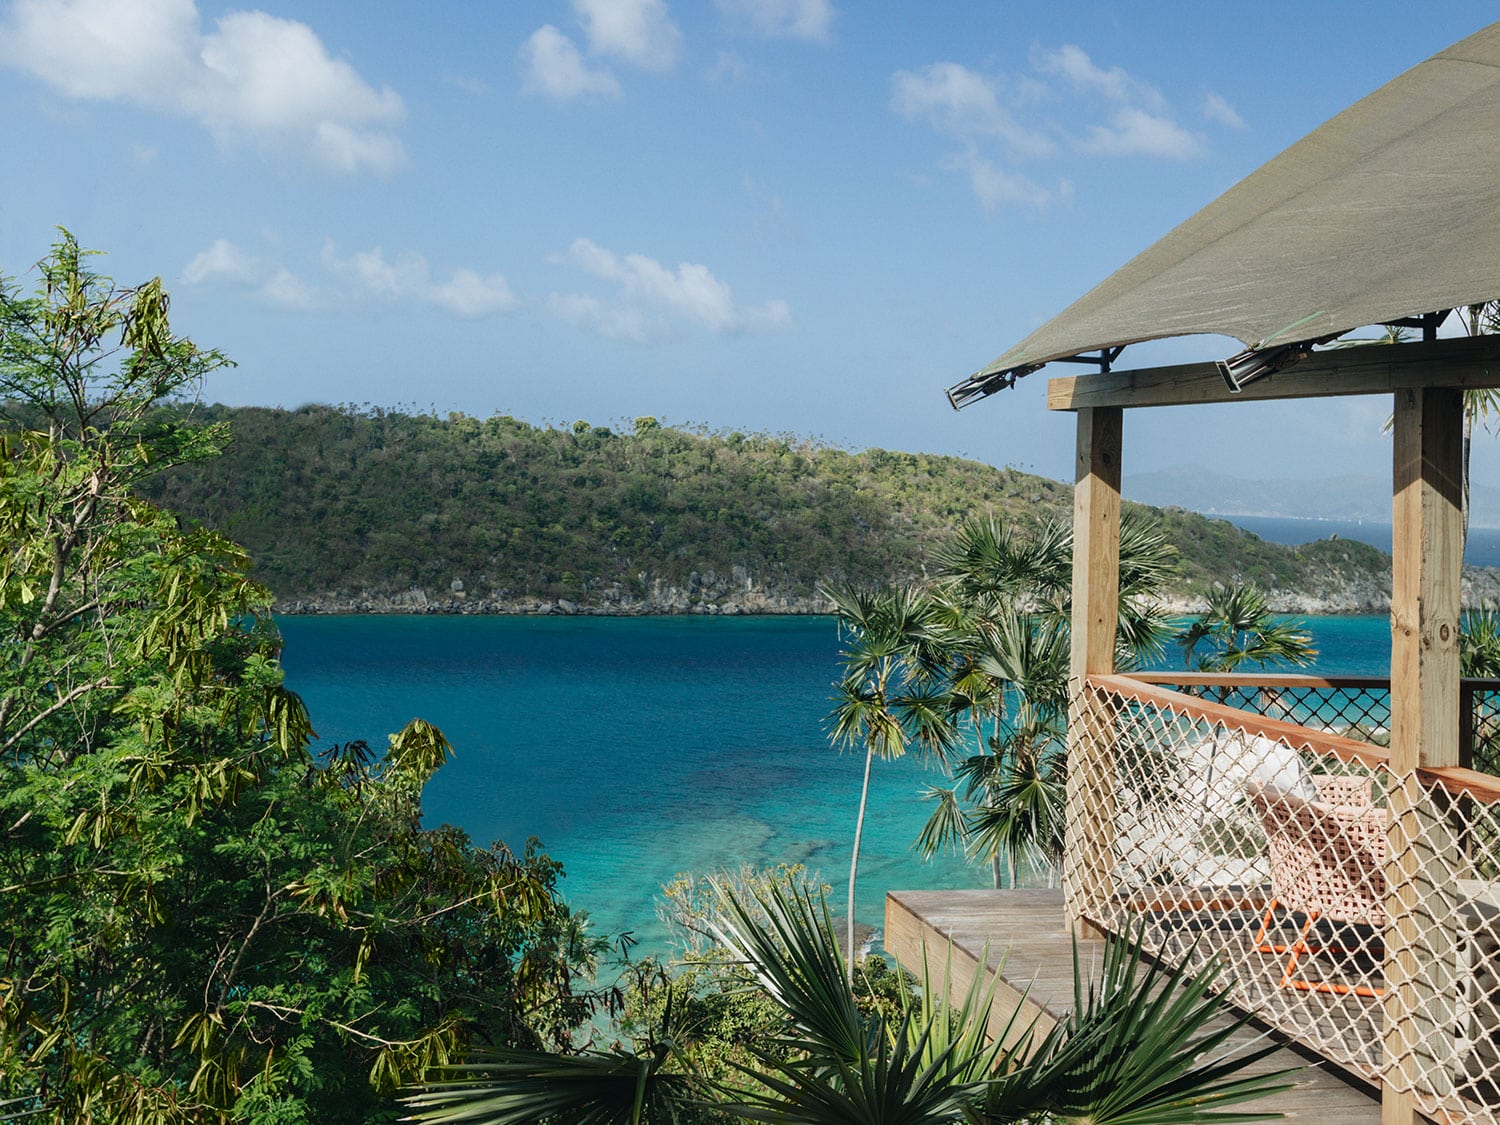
(356, 510)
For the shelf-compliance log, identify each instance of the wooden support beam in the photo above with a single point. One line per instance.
(1096, 594)
(1424, 850)
(1465, 363)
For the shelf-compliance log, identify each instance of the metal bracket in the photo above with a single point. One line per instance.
(976, 387)
(1256, 363)
(1102, 361)
(1427, 322)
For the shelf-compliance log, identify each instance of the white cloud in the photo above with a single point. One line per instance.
(471, 296)
(1065, 83)
(224, 263)
(1217, 109)
(466, 293)
(1073, 64)
(1134, 132)
(255, 77)
(613, 323)
(1141, 122)
(956, 100)
(651, 295)
(362, 276)
(555, 68)
(996, 186)
(287, 290)
(781, 19)
(137, 50)
(640, 32)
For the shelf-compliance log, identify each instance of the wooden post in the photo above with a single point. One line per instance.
(1427, 560)
(1089, 855)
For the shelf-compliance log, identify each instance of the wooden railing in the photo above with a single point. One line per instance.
(1256, 820)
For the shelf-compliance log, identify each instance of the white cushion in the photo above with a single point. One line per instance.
(1279, 768)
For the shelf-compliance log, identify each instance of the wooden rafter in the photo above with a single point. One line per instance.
(1467, 363)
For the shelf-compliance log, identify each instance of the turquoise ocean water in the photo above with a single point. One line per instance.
(639, 748)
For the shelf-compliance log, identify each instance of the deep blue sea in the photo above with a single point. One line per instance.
(639, 748)
(1481, 549)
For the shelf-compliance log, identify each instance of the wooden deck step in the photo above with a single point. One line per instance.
(1028, 945)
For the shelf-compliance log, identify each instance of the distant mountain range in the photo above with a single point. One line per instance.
(1341, 498)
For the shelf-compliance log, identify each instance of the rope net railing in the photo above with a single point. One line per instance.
(1260, 825)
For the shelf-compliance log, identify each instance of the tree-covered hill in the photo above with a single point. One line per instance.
(341, 508)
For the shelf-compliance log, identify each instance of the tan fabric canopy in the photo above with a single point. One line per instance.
(1390, 209)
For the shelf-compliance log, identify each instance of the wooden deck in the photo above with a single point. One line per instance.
(1028, 945)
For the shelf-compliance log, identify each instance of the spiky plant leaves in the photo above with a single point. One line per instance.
(1022, 819)
(508, 1086)
(946, 829)
(1001, 617)
(651, 1084)
(1144, 1045)
(930, 1065)
(786, 941)
(1030, 655)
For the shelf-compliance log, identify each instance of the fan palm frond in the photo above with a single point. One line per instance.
(508, 1086)
(1143, 1045)
(945, 829)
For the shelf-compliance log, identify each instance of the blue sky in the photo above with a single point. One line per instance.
(795, 216)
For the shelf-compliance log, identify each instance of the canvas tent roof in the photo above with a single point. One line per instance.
(1390, 209)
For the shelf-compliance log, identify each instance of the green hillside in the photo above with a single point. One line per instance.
(334, 502)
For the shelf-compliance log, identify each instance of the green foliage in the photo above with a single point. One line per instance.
(997, 656)
(202, 923)
(724, 1017)
(1479, 643)
(1237, 628)
(334, 501)
(1479, 657)
(890, 696)
(1143, 1045)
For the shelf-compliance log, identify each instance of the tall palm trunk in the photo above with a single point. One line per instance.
(859, 829)
(989, 798)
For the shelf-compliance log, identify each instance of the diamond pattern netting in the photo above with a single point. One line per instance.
(1482, 705)
(1355, 910)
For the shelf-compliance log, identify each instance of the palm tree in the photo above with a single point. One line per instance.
(1005, 606)
(1238, 627)
(1140, 1044)
(1011, 675)
(889, 697)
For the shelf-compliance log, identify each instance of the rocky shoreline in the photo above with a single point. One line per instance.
(1338, 595)
(705, 596)
(420, 601)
